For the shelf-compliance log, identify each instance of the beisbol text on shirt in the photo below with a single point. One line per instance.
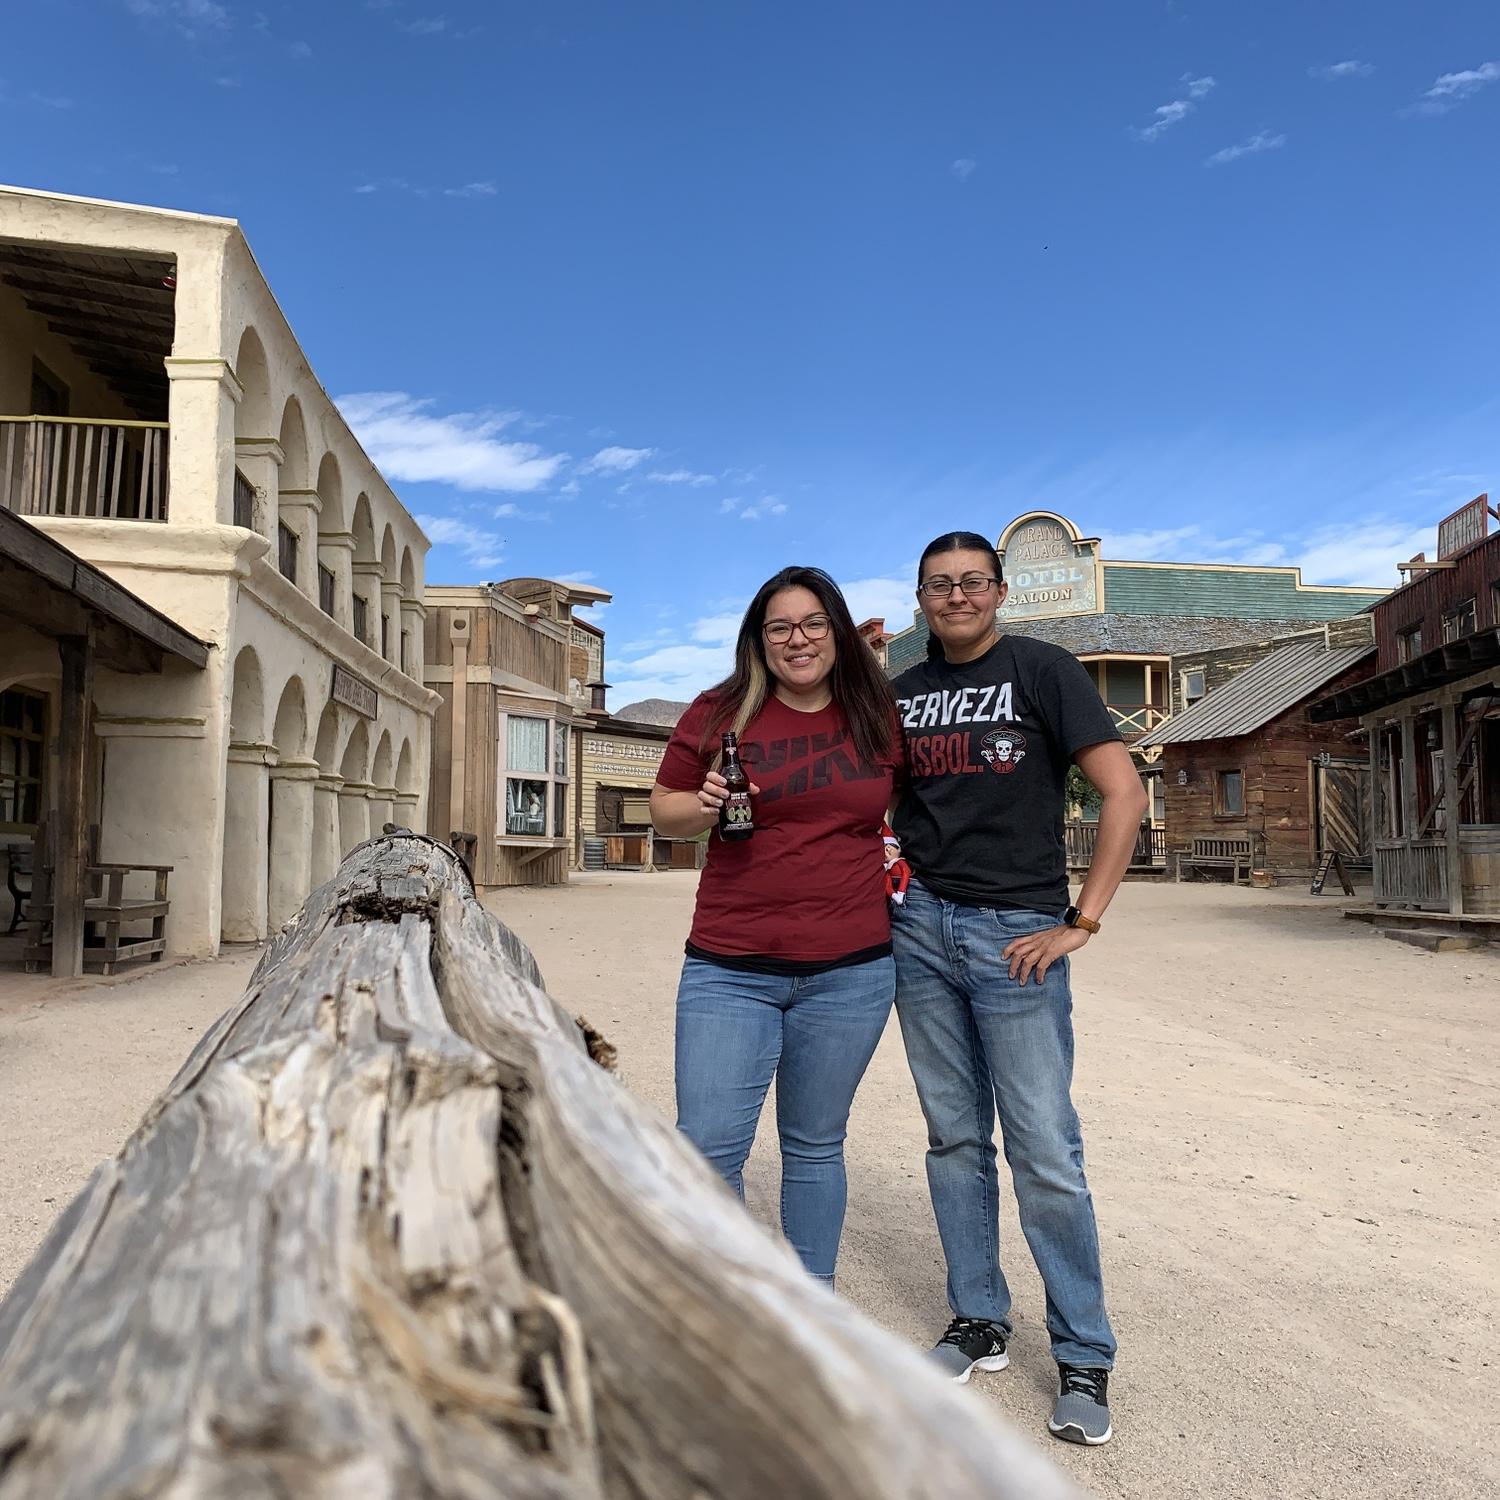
(988, 745)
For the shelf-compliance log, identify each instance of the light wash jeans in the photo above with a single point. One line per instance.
(981, 1044)
(815, 1034)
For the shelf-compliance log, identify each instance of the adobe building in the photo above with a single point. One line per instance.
(160, 422)
(1430, 722)
(501, 658)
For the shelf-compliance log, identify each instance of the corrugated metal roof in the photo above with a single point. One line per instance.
(1256, 695)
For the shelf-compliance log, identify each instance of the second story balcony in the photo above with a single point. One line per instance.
(71, 466)
(1135, 719)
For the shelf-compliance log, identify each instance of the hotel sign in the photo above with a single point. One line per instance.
(1458, 532)
(354, 692)
(1051, 569)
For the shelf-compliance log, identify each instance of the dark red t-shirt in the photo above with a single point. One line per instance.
(810, 885)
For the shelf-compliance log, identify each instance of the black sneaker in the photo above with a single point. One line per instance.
(970, 1344)
(1082, 1411)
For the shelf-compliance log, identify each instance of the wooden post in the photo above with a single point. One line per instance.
(70, 880)
(1409, 819)
(1451, 807)
(394, 1231)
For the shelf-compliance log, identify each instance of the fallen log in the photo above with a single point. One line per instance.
(393, 1232)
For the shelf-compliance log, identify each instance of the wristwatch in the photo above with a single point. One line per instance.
(1075, 918)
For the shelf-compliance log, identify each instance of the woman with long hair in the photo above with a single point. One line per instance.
(788, 971)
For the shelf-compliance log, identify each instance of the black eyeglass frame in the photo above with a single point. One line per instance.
(934, 590)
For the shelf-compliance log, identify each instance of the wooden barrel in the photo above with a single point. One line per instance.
(1479, 868)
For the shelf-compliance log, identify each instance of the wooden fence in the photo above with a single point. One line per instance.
(394, 1231)
(64, 466)
(1150, 846)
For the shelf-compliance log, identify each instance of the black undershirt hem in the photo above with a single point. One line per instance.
(788, 968)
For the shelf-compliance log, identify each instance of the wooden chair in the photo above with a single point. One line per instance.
(105, 906)
(19, 865)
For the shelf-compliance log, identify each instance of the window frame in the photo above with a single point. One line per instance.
(555, 779)
(1454, 617)
(1221, 809)
(1188, 696)
(360, 622)
(24, 736)
(328, 590)
(288, 545)
(1408, 644)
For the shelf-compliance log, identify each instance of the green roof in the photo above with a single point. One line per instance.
(1227, 593)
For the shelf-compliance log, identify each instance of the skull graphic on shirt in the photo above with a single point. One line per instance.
(1003, 750)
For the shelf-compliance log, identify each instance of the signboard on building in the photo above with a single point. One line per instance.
(1458, 532)
(1052, 569)
(354, 692)
(633, 762)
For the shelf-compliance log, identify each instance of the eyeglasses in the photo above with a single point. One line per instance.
(972, 584)
(814, 628)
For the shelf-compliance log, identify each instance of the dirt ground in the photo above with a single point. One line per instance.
(1291, 1134)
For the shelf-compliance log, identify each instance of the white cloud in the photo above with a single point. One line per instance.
(615, 460)
(407, 440)
(729, 505)
(682, 476)
(1327, 554)
(572, 487)
(425, 26)
(1349, 69)
(1451, 89)
(1165, 116)
(191, 17)
(768, 505)
(509, 512)
(963, 168)
(892, 599)
(472, 190)
(301, 51)
(50, 101)
(481, 549)
(1262, 140)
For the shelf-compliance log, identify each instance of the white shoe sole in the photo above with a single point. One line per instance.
(989, 1363)
(1083, 1437)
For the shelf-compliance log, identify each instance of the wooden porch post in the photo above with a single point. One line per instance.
(1409, 820)
(70, 878)
(1451, 808)
(1377, 797)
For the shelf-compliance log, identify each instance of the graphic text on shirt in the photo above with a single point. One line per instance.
(829, 757)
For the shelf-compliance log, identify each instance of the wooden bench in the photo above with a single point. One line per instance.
(105, 906)
(1233, 854)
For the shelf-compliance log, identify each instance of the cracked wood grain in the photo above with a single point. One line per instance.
(392, 1233)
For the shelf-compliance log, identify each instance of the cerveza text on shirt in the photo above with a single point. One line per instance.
(969, 705)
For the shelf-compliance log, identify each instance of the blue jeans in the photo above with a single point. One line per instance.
(981, 1044)
(815, 1034)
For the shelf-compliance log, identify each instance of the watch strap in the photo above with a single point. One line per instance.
(1075, 918)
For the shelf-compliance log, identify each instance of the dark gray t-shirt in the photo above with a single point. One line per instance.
(988, 745)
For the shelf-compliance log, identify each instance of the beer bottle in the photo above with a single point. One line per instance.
(736, 820)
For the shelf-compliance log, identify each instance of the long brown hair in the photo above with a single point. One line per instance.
(857, 683)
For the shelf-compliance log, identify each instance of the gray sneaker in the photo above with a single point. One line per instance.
(1082, 1411)
(970, 1344)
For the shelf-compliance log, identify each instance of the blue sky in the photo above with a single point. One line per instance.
(670, 294)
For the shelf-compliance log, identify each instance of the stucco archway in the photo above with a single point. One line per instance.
(243, 871)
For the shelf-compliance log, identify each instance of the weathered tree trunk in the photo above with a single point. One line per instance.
(392, 1233)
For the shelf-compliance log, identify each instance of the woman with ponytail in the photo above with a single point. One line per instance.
(788, 971)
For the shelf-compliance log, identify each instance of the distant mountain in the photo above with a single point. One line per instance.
(652, 711)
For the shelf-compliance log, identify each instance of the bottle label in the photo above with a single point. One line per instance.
(737, 810)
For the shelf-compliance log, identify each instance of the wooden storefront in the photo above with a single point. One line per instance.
(1432, 720)
(617, 765)
(1246, 767)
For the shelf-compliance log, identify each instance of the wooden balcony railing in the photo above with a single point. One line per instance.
(1135, 719)
(69, 466)
(1412, 874)
(1150, 846)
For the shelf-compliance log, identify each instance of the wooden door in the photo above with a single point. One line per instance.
(1343, 818)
